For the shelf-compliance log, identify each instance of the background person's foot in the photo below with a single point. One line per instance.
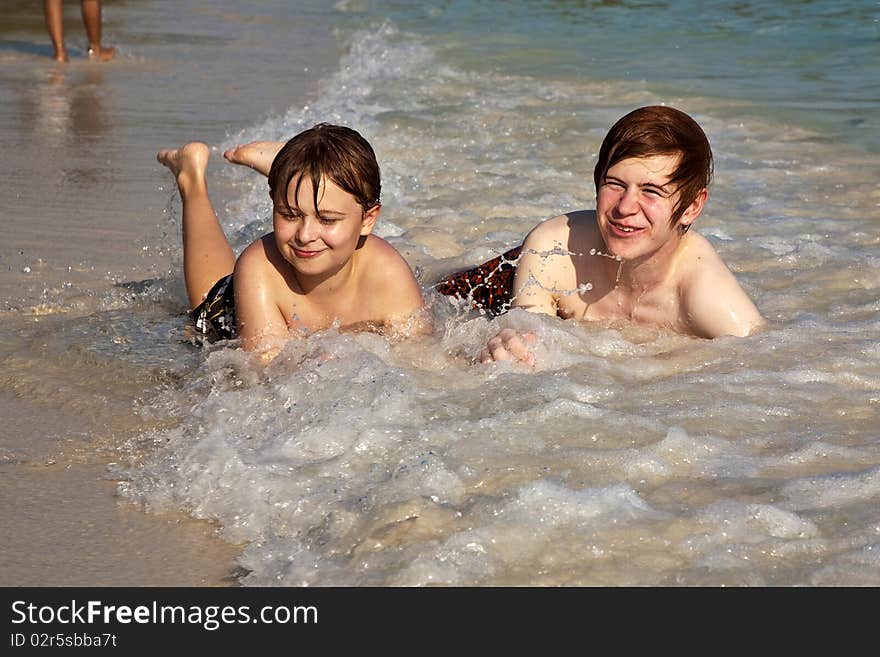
(102, 54)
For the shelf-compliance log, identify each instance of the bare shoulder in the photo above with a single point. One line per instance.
(714, 302)
(382, 261)
(700, 251)
(546, 266)
(549, 234)
(575, 232)
(388, 279)
(260, 265)
(256, 258)
(259, 286)
(701, 262)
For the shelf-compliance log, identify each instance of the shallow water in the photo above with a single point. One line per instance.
(628, 456)
(90, 301)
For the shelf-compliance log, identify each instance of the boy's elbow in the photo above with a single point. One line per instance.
(262, 346)
(756, 326)
(417, 323)
(738, 328)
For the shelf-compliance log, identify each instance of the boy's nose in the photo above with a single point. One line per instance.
(307, 231)
(629, 201)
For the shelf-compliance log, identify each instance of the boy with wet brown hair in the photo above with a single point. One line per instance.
(319, 267)
(633, 258)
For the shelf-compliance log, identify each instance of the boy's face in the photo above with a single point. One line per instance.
(635, 203)
(322, 240)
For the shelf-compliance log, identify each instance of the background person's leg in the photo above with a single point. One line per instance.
(91, 15)
(53, 11)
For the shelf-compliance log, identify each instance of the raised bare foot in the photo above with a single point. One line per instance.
(257, 155)
(188, 163)
(60, 56)
(102, 54)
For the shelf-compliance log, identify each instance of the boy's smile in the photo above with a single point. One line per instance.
(307, 254)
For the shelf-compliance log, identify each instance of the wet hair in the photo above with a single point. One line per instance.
(334, 152)
(660, 130)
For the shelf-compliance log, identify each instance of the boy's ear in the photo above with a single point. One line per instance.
(694, 209)
(369, 219)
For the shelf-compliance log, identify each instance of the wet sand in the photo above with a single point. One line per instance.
(83, 209)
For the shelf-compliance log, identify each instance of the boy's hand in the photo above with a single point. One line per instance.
(509, 345)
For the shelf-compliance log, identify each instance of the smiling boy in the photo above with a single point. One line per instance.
(634, 257)
(319, 267)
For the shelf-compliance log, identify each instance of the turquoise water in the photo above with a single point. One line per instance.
(808, 62)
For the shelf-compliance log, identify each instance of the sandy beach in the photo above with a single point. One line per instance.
(83, 209)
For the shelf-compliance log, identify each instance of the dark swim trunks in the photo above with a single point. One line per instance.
(215, 316)
(487, 287)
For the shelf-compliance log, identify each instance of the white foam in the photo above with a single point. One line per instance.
(529, 529)
(833, 490)
(859, 567)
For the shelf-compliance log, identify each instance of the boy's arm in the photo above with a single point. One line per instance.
(716, 305)
(401, 295)
(260, 323)
(537, 275)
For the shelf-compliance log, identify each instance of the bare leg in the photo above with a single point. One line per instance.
(258, 155)
(207, 256)
(91, 15)
(53, 11)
